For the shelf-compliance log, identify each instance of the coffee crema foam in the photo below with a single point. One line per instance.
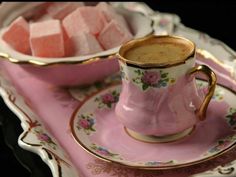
(160, 52)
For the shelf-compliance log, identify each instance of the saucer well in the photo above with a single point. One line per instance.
(97, 130)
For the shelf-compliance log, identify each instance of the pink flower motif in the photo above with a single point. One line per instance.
(43, 137)
(84, 123)
(108, 98)
(150, 77)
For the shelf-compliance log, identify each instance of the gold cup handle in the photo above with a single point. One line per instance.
(201, 112)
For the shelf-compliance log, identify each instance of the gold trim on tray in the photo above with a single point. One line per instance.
(31, 123)
(84, 147)
(39, 63)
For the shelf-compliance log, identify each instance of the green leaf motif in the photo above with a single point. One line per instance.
(138, 72)
(109, 105)
(98, 85)
(145, 86)
(166, 80)
(92, 129)
(164, 75)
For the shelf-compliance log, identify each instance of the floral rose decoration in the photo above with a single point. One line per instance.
(151, 78)
(86, 123)
(154, 79)
(108, 98)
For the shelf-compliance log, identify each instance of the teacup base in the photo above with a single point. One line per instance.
(159, 139)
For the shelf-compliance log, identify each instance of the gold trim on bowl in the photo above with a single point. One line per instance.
(38, 62)
(41, 63)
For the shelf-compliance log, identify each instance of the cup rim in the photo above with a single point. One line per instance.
(132, 43)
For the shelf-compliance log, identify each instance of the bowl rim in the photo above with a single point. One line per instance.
(13, 56)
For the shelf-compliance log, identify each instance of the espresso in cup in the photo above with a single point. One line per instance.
(159, 101)
(160, 51)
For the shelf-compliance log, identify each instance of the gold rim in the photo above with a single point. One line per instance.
(41, 63)
(144, 40)
(160, 139)
(86, 61)
(84, 147)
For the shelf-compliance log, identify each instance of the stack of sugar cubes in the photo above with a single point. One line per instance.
(69, 29)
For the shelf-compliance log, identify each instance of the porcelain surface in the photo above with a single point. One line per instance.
(65, 71)
(153, 99)
(46, 128)
(96, 128)
(140, 26)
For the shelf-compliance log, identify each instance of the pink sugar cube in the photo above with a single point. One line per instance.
(107, 10)
(110, 13)
(44, 18)
(85, 44)
(83, 19)
(60, 10)
(17, 35)
(114, 35)
(46, 39)
(68, 45)
(37, 12)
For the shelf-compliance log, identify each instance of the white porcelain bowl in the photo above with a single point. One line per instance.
(68, 71)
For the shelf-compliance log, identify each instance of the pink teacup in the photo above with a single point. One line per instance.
(159, 101)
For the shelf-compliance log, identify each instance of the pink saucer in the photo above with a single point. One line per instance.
(95, 127)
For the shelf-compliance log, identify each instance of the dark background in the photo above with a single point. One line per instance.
(216, 18)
